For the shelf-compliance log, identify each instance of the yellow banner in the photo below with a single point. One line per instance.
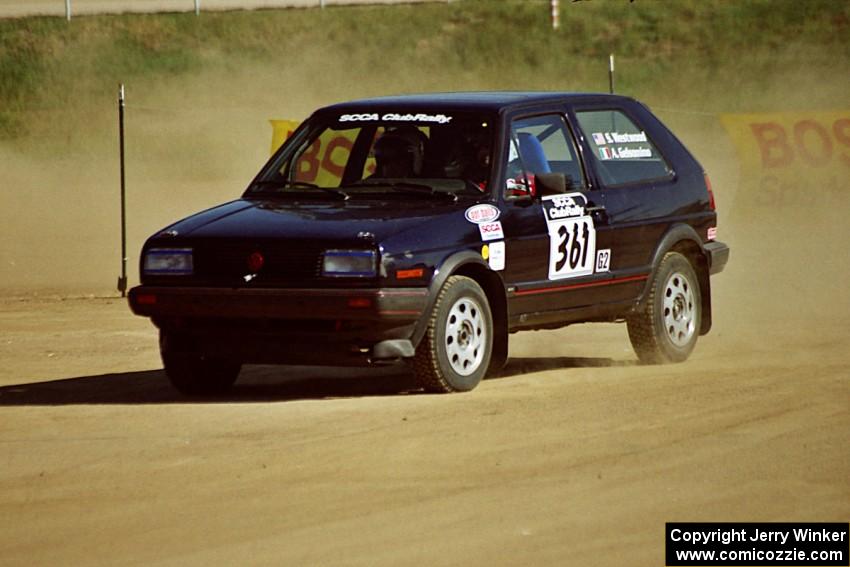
(790, 157)
(281, 130)
(324, 161)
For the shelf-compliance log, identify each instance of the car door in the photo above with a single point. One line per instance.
(637, 190)
(552, 257)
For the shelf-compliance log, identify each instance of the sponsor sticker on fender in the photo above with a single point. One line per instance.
(491, 231)
(496, 256)
(480, 214)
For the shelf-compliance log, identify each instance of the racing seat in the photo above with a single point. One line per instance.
(532, 154)
(532, 161)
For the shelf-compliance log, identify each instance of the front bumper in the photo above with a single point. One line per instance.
(297, 326)
(397, 304)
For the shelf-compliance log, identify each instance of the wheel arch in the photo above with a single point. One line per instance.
(472, 265)
(682, 238)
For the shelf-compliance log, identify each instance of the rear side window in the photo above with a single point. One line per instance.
(622, 150)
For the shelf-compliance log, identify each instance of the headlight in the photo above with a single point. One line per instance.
(168, 262)
(349, 263)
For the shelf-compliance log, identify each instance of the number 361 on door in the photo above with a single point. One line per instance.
(572, 236)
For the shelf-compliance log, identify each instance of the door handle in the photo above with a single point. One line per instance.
(598, 212)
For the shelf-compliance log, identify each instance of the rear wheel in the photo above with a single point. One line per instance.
(455, 353)
(193, 372)
(667, 328)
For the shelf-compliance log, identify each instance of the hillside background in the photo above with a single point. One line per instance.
(201, 90)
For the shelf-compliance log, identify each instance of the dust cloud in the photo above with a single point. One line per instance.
(195, 141)
(191, 142)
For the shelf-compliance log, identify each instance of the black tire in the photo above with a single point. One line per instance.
(454, 354)
(499, 355)
(192, 372)
(667, 328)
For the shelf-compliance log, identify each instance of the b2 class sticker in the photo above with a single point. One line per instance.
(572, 236)
(603, 260)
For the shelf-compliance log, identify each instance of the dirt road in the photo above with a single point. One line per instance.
(575, 456)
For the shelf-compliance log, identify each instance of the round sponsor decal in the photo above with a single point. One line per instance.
(482, 213)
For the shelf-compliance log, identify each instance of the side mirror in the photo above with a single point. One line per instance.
(550, 183)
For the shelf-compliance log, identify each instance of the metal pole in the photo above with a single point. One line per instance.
(122, 281)
(68, 10)
(322, 4)
(556, 15)
(611, 73)
(197, 7)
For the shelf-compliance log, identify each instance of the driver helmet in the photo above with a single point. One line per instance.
(399, 152)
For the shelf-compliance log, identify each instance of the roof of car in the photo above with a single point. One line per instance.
(483, 100)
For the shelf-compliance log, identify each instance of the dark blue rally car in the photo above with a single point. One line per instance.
(427, 228)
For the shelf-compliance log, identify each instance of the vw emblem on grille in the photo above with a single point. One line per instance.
(255, 262)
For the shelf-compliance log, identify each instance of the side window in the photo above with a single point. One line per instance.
(541, 144)
(622, 151)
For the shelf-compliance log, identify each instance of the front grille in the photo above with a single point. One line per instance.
(293, 261)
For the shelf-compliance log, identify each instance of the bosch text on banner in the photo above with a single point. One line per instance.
(786, 155)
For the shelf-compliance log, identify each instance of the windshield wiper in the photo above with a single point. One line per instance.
(420, 189)
(405, 187)
(279, 184)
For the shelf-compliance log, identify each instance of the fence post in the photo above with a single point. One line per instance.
(122, 280)
(556, 15)
(611, 73)
(197, 7)
(68, 10)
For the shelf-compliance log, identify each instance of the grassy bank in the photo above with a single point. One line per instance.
(665, 49)
(200, 92)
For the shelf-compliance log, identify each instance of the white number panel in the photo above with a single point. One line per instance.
(572, 236)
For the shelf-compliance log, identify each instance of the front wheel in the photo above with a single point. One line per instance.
(667, 328)
(194, 373)
(455, 352)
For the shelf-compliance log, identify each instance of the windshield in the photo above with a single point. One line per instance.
(443, 154)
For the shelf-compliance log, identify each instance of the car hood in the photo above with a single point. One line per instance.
(322, 220)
